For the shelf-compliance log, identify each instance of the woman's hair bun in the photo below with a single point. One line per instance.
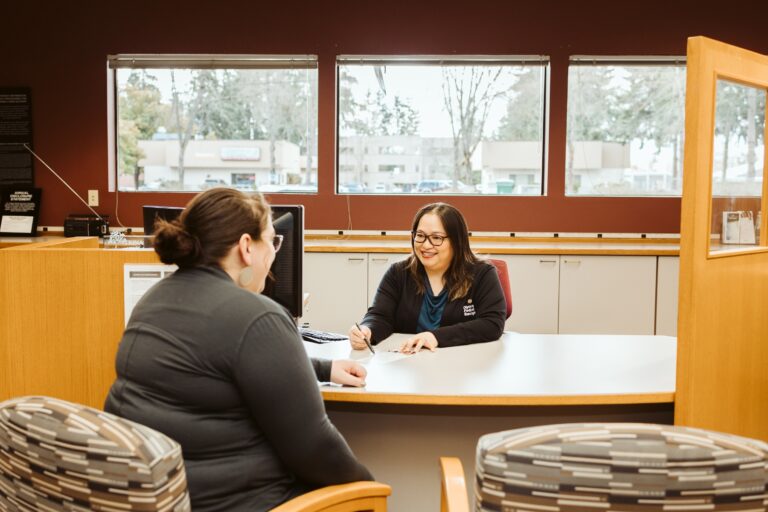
(175, 245)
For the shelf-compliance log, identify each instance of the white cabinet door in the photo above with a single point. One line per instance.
(667, 284)
(607, 294)
(337, 288)
(378, 263)
(534, 282)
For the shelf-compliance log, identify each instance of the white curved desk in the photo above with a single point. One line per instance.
(519, 369)
(416, 408)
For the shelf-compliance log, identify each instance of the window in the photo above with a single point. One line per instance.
(625, 127)
(441, 125)
(190, 122)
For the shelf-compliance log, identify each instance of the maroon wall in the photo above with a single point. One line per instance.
(59, 49)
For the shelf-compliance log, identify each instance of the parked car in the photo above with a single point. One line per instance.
(352, 188)
(432, 186)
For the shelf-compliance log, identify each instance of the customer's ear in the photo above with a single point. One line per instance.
(245, 248)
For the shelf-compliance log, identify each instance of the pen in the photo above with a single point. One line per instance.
(365, 338)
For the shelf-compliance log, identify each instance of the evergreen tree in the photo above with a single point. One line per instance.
(523, 118)
(140, 115)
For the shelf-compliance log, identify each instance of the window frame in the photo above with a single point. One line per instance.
(619, 60)
(187, 61)
(543, 61)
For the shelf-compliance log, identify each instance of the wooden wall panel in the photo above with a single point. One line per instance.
(62, 319)
(722, 372)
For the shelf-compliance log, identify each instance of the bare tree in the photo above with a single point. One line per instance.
(468, 93)
(184, 121)
(311, 135)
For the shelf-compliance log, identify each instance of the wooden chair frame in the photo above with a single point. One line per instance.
(351, 497)
(453, 486)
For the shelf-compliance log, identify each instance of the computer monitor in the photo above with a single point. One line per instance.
(284, 284)
(152, 213)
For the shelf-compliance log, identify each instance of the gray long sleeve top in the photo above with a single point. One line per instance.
(223, 372)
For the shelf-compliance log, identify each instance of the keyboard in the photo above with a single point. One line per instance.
(320, 336)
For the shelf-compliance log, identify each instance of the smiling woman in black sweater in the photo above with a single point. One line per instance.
(222, 370)
(443, 293)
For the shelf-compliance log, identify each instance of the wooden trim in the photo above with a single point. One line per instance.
(605, 247)
(334, 395)
(504, 239)
(505, 250)
(83, 242)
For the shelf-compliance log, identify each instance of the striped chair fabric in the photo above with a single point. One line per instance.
(56, 455)
(619, 467)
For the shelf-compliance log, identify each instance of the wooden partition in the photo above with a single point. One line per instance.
(722, 372)
(61, 306)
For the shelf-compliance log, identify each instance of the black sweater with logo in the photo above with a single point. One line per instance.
(475, 318)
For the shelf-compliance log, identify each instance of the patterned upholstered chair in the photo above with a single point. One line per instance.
(56, 455)
(612, 466)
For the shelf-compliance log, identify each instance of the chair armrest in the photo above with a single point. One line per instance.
(368, 496)
(453, 488)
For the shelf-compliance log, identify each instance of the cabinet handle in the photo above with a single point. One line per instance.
(575, 262)
(547, 261)
(355, 259)
(380, 259)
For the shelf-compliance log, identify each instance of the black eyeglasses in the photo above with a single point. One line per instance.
(277, 242)
(435, 240)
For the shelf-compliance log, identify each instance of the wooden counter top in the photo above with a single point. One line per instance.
(505, 245)
(481, 245)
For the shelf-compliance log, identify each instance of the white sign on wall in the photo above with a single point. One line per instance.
(137, 279)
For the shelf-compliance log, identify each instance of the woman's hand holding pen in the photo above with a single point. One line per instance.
(357, 337)
(422, 340)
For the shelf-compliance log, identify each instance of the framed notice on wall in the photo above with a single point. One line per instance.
(15, 131)
(19, 210)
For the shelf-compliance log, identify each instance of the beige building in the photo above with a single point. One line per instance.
(242, 163)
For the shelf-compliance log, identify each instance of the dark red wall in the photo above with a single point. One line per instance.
(59, 49)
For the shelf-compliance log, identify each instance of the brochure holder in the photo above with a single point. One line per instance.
(738, 228)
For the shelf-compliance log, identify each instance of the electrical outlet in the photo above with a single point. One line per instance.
(93, 198)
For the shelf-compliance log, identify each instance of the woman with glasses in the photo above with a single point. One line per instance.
(222, 370)
(442, 293)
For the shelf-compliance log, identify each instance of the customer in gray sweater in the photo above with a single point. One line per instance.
(222, 370)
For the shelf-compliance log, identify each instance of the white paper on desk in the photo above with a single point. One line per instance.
(17, 224)
(382, 357)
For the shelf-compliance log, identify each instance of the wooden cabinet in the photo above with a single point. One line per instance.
(534, 281)
(607, 294)
(566, 294)
(378, 263)
(667, 284)
(337, 284)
